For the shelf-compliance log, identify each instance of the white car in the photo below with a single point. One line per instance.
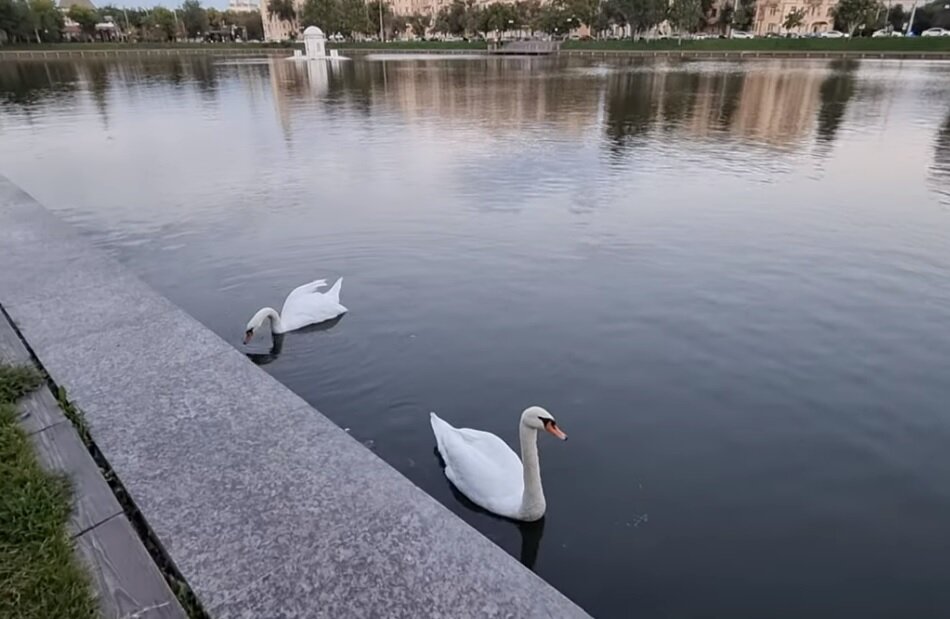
(935, 32)
(886, 33)
(833, 34)
(741, 34)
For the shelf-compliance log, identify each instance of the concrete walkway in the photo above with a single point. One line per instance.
(127, 582)
(266, 507)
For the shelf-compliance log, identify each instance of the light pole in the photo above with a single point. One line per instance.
(382, 34)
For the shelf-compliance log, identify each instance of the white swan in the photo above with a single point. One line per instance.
(303, 306)
(489, 473)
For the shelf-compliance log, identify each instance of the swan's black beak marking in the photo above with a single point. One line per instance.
(248, 335)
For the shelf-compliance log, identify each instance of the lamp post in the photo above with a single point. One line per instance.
(382, 34)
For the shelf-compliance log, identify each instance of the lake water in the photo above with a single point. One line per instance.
(729, 281)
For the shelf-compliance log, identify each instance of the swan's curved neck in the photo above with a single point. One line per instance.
(269, 313)
(532, 499)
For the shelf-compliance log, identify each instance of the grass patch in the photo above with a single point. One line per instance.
(410, 45)
(65, 47)
(863, 44)
(40, 576)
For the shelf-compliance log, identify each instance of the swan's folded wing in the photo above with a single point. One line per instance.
(305, 289)
(484, 468)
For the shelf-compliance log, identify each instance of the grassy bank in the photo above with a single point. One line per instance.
(65, 47)
(40, 575)
(914, 44)
(412, 45)
(908, 45)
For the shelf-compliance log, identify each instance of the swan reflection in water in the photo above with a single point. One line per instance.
(531, 532)
(277, 340)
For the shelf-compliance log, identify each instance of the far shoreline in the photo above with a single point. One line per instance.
(916, 49)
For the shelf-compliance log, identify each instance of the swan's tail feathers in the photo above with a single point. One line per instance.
(439, 428)
(308, 287)
(334, 291)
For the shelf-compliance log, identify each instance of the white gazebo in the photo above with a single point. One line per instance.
(315, 43)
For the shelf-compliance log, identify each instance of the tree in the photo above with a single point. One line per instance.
(324, 14)
(528, 13)
(727, 14)
(215, 18)
(419, 23)
(43, 20)
(554, 18)
(354, 17)
(471, 17)
(640, 15)
(794, 19)
(497, 17)
(896, 17)
(744, 15)
(850, 14)
(161, 24)
(392, 23)
(283, 10)
(15, 19)
(86, 17)
(130, 20)
(449, 21)
(685, 15)
(585, 11)
(194, 18)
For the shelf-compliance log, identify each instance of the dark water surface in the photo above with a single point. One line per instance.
(728, 281)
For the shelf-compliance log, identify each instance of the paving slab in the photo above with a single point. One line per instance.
(116, 359)
(403, 560)
(129, 584)
(39, 410)
(60, 450)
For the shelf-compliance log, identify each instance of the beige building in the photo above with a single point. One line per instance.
(277, 29)
(770, 15)
(242, 6)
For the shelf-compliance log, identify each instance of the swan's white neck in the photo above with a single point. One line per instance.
(532, 499)
(268, 313)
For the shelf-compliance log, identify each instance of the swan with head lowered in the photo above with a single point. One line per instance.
(303, 306)
(485, 469)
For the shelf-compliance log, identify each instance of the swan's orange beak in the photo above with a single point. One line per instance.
(247, 336)
(556, 431)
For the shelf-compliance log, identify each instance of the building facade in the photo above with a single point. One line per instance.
(770, 16)
(242, 6)
(276, 29)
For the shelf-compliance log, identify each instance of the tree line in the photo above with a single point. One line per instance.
(466, 18)
(866, 16)
(40, 21)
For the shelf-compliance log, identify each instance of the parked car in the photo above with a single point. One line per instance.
(741, 34)
(935, 32)
(833, 34)
(884, 32)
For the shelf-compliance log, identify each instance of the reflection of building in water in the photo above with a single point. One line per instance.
(940, 169)
(837, 89)
(295, 82)
(776, 106)
(495, 95)
(779, 103)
